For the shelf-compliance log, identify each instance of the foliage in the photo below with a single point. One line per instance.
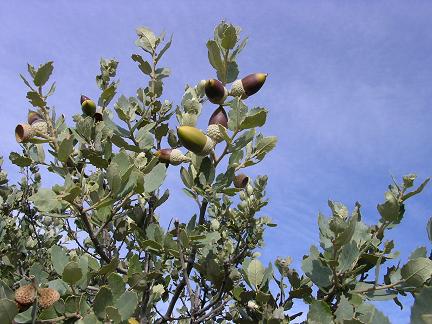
(95, 236)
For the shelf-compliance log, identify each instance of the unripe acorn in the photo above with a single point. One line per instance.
(219, 117)
(194, 140)
(25, 295)
(88, 106)
(215, 91)
(172, 156)
(241, 180)
(47, 297)
(248, 86)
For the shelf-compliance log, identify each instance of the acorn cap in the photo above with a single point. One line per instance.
(241, 180)
(25, 295)
(215, 91)
(195, 140)
(253, 82)
(33, 116)
(24, 132)
(219, 117)
(47, 297)
(40, 126)
(214, 133)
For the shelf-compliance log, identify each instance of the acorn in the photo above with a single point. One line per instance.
(88, 106)
(24, 132)
(47, 297)
(215, 91)
(194, 140)
(248, 86)
(25, 295)
(241, 180)
(219, 117)
(33, 117)
(172, 156)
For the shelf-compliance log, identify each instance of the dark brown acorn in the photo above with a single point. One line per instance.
(88, 106)
(241, 180)
(215, 91)
(219, 117)
(249, 85)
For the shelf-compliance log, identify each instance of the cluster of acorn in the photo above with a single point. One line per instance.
(35, 126)
(202, 144)
(26, 295)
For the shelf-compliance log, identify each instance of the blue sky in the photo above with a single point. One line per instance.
(349, 92)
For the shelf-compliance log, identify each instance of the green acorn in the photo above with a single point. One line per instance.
(88, 106)
(219, 117)
(248, 86)
(215, 91)
(194, 140)
(241, 180)
(172, 156)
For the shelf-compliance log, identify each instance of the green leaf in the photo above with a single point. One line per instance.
(72, 273)
(24, 317)
(8, 310)
(237, 114)
(420, 252)
(344, 310)
(46, 200)
(370, 315)
(103, 299)
(421, 311)
(255, 117)
(127, 304)
(38, 272)
(265, 145)
(232, 72)
(214, 55)
(146, 39)
(43, 73)
(65, 149)
(229, 38)
(35, 99)
(113, 314)
(110, 267)
(19, 160)
(313, 267)
(417, 271)
(319, 313)
(255, 272)
(107, 95)
(144, 66)
(348, 256)
(117, 285)
(417, 191)
(390, 210)
(429, 229)
(154, 178)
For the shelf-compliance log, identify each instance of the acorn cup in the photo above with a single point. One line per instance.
(47, 297)
(98, 115)
(195, 140)
(24, 132)
(172, 156)
(215, 91)
(25, 295)
(241, 180)
(33, 117)
(219, 117)
(88, 106)
(248, 86)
